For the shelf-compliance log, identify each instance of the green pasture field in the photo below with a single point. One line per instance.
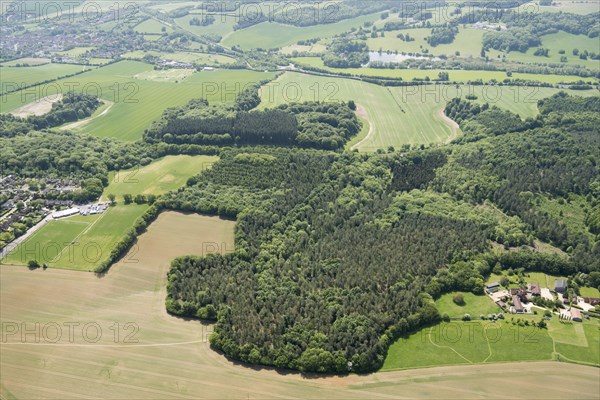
(78, 243)
(139, 102)
(401, 115)
(477, 341)
(26, 60)
(222, 26)
(555, 42)
(468, 42)
(10, 77)
(269, 35)
(182, 56)
(152, 26)
(394, 123)
(161, 176)
(454, 75)
(589, 292)
(473, 304)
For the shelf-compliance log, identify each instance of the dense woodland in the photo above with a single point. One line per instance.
(311, 124)
(312, 225)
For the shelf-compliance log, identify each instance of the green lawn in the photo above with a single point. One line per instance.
(268, 35)
(473, 305)
(454, 75)
(12, 77)
(168, 173)
(139, 102)
(590, 292)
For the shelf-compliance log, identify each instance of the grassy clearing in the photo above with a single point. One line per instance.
(454, 75)
(13, 77)
(153, 27)
(168, 173)
(269, 35)
(139, 102)
(475, 305)
(168, 357)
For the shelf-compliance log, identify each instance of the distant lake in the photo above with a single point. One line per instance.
(375, 56)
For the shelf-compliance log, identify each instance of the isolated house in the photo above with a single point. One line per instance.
(575, 314)
(535, 290)
(560, 286)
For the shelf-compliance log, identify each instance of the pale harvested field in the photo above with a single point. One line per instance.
(38, 107)
(169, 357)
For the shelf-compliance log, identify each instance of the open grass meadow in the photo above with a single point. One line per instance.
(13, 77)
(454, 75)
(168, 173)
(138, 102)
(556, 42)
(222, 27)
(478, 341)
(153, 27)
(393, 123)
(269, 35)
(142, 352)
(468, 42)
(401, 115)
(474, 305)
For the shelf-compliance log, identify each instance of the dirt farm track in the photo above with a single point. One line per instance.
(110, 337)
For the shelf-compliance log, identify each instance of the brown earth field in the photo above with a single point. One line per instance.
(110, 337)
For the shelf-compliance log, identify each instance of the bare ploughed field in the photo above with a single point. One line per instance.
(142, 352)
